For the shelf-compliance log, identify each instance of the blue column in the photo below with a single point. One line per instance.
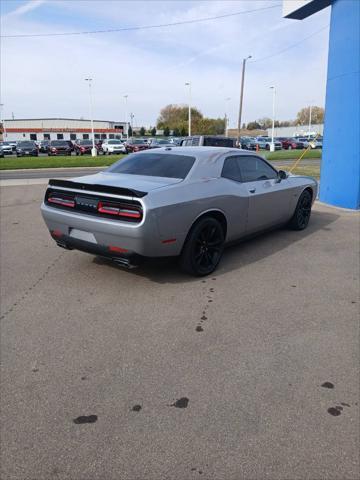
(340, 167)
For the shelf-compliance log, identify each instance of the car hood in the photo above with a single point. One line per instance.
(134, 182)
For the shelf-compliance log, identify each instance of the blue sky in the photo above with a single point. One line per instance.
(44, 76)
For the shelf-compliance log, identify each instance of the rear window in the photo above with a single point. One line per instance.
(114, 142)
(154, 165)
(26, 144)
(218, 142)
(59, 143)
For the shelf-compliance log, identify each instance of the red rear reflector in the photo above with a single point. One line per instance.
(117, 249)
(65, 202)
(169, 240)
(56, 233)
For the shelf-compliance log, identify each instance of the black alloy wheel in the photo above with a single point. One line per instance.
(301, 217)
(203, 248)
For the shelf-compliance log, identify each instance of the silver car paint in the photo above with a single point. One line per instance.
(173, 205)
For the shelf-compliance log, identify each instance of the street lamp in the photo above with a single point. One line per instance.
(189, 85)
(226, 116)
(93, 150)
(131, 123)
(241, 97)
(310, 107)
(126, 117)
(272, 145)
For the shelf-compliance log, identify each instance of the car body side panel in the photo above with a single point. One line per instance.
(175, 217)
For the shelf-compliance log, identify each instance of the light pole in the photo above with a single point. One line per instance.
(126, 117)
(2, 121)
(131, 123)
(272, 146)
(241, 97)
(189, 85)
(226, 116)
(309, 120)
(93, 150)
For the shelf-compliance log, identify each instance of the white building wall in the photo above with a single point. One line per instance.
(297, 131)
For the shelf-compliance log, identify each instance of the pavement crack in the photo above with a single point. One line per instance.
(32, 286)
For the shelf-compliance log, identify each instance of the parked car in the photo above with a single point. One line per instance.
(316, 143)
(268, 141)
(303, 140)
(175, 201)
(161, 143)
(208, 141)
(82, 147)
(292, 144)
(26, 147)
(7, 148)
(1, 151)
(113, 146)
(136, 145)
(248, 143)
(44, 146)
(60, 147)
(260, 142)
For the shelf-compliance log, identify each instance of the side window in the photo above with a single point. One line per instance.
(231, 169)
(254, 168)
(195, 142)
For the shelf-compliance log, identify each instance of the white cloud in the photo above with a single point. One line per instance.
(27, 7)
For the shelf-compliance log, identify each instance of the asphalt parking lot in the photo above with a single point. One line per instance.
(251, 373)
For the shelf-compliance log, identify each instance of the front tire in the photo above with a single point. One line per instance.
(203, 247)
(301, 217)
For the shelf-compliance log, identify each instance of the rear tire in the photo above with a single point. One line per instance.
(301, 217)
(203, 247)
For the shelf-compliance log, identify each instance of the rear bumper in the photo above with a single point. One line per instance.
(127, 259)
(141, 239)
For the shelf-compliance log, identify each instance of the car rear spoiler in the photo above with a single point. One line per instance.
(129, 192)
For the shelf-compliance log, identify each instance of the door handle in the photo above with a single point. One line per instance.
(252, 190)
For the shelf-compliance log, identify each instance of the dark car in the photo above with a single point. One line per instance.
(60, 147)
(44, 146)
(27, 147)
(292, 144)
(209, 141)
(136, 145)
(83, 147)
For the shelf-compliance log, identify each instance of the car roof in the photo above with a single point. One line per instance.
(200, 152)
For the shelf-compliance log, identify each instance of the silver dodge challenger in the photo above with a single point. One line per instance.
(175, 201)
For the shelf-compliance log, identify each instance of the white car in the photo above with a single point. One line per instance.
(113, 146)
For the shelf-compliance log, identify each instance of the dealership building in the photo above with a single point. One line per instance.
(61, 129)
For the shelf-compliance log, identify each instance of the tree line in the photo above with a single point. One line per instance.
(302, 118)
(175, 119)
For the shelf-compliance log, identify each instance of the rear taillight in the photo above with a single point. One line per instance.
(119, 210)
(63, 200)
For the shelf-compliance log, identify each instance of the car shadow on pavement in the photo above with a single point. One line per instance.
(167, 270)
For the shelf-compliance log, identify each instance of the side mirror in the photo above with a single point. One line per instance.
(282, 175)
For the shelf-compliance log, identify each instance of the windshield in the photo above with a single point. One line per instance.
(26, 144)
(85, 142)
(114, 142)
(155, 165)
